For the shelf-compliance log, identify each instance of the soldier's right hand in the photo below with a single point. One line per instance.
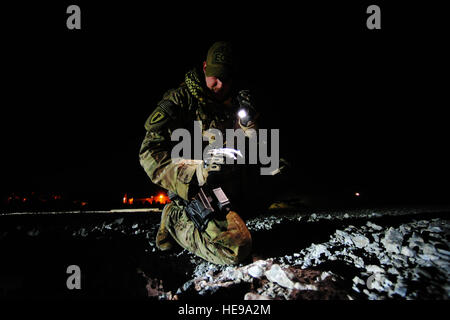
(205, 176)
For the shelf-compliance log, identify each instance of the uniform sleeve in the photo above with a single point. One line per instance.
(155, 151)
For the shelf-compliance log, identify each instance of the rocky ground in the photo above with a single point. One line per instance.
(376, 254)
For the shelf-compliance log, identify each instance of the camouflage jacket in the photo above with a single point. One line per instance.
(179, 108)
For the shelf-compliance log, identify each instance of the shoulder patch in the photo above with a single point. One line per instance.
(156, 117)
(157, 120)
(164, 113)
(168, 107)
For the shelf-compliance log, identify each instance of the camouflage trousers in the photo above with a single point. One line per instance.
(226, 241)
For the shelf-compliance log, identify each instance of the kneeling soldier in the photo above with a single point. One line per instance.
(206, 95)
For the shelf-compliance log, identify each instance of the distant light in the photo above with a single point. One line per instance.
(242, 113)
(357, 194)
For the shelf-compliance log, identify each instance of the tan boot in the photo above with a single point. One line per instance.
(164, 241)
(236, 238)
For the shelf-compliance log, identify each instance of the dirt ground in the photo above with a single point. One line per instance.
(357, 254)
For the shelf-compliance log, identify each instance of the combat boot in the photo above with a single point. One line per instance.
(164, 240)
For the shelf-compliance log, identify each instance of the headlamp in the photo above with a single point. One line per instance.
(242, 114)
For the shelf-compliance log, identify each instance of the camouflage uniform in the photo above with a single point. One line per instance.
(224, 241)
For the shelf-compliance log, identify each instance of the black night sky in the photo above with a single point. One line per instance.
(357, 109)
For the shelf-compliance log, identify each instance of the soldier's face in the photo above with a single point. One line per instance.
(218, 87)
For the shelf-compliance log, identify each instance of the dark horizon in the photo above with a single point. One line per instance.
(357, 110)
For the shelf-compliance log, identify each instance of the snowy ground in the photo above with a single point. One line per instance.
(408, 261)
(388, 253)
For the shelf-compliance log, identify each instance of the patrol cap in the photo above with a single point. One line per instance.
(219, 61)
